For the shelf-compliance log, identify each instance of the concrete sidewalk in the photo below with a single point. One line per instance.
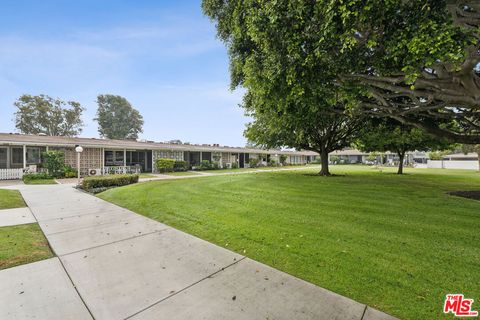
(115, 264)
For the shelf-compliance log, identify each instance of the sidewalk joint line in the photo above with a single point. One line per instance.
(183, 289)
(87, 227)
(364, 311)
(75, 287)
(116, 241)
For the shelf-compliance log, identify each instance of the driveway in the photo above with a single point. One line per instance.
(114, 264)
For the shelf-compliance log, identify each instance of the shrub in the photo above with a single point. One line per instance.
(234, 165)
(165, 164)
(54, 162)
(333, 159)
(180, 165)
(283, 159)
(69, 172)
(36, 176)
(253, 163)
(216, 166)
(272, 163)
(205, 165)
(97, 183)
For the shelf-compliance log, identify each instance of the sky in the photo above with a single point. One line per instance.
(163, 56)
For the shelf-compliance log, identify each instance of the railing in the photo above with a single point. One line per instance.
(11, 174)
(121, 170)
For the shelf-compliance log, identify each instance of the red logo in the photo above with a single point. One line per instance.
(459, 306)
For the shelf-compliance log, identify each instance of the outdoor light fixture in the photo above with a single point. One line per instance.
(79, 150)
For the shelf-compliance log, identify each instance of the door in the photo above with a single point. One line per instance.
(3, 158)
(242, 160)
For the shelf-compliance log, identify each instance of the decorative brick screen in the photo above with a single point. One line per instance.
(91, 158)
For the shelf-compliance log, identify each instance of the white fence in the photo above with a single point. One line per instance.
(453, 164)
(11, 174)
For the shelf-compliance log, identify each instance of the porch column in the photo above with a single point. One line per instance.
(154, 170)
(9, 157)
(102, 159)
(124, 157)
(24, 156)
(46, 149)
(200, 156)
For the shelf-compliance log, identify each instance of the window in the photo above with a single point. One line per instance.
(33, 155)
(3, 158)
(119, 158)
(109, 158)
(17, 155)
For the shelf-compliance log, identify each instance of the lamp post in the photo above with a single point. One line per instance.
(79, 150)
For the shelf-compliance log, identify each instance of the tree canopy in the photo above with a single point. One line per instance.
(413, 61)
(44, 115)
(117, 119)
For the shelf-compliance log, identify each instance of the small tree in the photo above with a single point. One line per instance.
(389, 135)
(283, 159)
(54, 162)
(117, 119)
(43, 114)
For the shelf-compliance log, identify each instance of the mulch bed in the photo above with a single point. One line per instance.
(475, 195)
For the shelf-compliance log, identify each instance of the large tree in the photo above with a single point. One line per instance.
(44, 115)
(117, 119)
(291, 95)
(391, 135)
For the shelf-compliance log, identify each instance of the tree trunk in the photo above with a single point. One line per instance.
(324, 159)
(401, 155)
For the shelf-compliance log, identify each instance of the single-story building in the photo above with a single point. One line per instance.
(354, 156)
(100, 156)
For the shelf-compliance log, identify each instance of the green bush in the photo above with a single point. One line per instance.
(234, 165)
(283, 159)
(216, 166)
(272, 163)
(333, 159)
(180, 165)
(102, 182)
(69, 172)
(36, 176)
(54, 162)
(205, 165)
(253, 162)
(165, 164)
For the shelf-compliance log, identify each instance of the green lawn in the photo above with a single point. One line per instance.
(10, 199)
(240, 170)
(22, 244)
(181, 173)
(146, 175)
(397, 243)
(40, 181)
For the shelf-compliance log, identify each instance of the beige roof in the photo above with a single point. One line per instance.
(9, 138)
(348, 152)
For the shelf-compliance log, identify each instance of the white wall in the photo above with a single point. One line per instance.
(453, 164)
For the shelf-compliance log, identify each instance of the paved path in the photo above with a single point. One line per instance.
(115, 264)
(12, 217)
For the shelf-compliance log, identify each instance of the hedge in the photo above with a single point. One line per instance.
(101, 182)
(36, 176)
(165, 164)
